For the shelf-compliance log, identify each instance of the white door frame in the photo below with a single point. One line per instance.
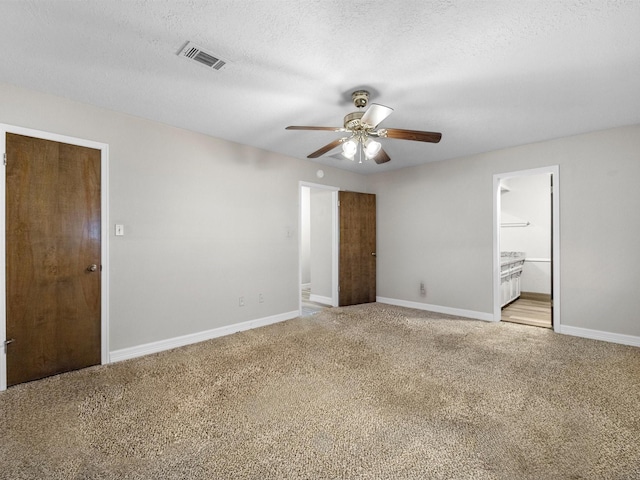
(554, 171)
(104, 193)
(335, 240)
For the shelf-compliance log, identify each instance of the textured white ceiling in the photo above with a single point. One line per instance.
(487, 74)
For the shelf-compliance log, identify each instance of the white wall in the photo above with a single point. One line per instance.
(206, 220)
(528, 199)
(435, 223)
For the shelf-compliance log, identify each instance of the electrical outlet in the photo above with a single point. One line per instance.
(241, 302)
(261, 298)
(423, 290)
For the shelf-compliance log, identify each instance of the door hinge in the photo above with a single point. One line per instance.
(338, 202)
(4, 161)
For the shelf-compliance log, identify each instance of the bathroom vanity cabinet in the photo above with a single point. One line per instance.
(511, 264)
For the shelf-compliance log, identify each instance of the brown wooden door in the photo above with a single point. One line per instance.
(52, 240)
(357, 263)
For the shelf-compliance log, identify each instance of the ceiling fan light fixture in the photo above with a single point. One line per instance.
(362, 125)
(371, 148)
(349, 149)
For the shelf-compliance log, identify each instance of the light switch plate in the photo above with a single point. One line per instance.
(119, 230)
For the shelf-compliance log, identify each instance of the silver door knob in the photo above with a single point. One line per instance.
(92, 268)
(373, 254)
(6, 344)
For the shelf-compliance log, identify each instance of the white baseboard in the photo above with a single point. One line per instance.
(320, 299)
(600, 335)
(162, 345)
(563, 329)
(437, 308)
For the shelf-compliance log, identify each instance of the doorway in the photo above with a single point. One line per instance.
(54, 177)
(318, 248)
(526, 247)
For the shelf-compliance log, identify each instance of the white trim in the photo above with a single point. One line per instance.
(539, 260)
(600, 335)
(305, 285)
(554, 171)
(3, 237)
(318, 185)
(620, 338)
(168, 344)
(335, 248)
(104, 191)
(320, 299)
(488, 317)
(335, 240)
(104, 242)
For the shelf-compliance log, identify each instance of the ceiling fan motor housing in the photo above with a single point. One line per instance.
(352, 120)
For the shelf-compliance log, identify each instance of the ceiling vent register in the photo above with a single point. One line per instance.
(194, 52)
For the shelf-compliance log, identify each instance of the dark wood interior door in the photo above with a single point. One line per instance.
(52, 258)
(357, 262)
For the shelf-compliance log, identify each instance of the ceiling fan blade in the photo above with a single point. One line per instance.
(381, 157)
(375, 114)
(331, 129)
(415, 135)
(326, 148)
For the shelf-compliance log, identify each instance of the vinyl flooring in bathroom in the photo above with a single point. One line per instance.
(309, 307)
(528, 312)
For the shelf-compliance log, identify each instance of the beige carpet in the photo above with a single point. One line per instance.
(362, 392)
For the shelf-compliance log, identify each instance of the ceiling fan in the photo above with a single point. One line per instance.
(361, 126)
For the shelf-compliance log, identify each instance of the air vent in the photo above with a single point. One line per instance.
(197, 54)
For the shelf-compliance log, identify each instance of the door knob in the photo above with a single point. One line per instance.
(7, 342)
(92, 268)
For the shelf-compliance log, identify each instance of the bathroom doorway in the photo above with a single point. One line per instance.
(318, 248)
(526, 247)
